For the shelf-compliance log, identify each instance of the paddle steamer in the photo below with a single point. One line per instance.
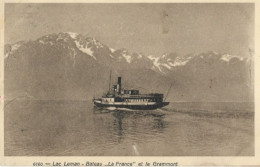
(130, 98)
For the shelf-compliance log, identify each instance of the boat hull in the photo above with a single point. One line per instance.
(133, 106)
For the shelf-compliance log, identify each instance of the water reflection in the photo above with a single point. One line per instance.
(78, 128)
(131, 123)
(118, 124)
(159, 124)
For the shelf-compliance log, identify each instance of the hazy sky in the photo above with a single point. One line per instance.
(147, 28)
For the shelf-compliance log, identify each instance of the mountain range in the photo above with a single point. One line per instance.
(72, 66)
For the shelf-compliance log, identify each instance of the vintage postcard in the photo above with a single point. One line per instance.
(117, 83)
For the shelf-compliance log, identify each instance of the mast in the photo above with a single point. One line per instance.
(94, 91)
(109, 81)
(167, 93)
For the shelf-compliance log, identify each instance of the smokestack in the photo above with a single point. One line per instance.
(119, 83)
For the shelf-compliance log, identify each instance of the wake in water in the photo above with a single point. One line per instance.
(190, 128)
(111, 108)
(213, 113)
(156, 113)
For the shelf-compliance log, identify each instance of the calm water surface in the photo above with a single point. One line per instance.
(76, 128)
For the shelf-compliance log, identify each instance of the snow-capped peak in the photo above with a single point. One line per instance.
(155, 62)
(73, 35)
(13, 48)
(95, 42)
(112, 50)
(168, 62)
(227, 57)
(180, 61)
(85, 49)
(126, 55)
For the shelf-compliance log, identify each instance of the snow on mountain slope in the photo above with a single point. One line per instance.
(126, 55)
(156, 63)
(79, 44)
(12, 49)
(112, 50)
(180, 61)
(227, 57)
(70, 61)
(85, 49)
(166, 62)
(73, 35)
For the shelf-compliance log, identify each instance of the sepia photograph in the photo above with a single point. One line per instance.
(129, 79)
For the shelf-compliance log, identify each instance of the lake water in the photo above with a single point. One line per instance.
(77, 128)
